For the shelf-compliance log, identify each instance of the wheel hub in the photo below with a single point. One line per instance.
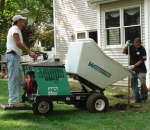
(99, 105)
(43, 107)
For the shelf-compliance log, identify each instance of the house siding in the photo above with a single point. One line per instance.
(116, 53)
(71, 16)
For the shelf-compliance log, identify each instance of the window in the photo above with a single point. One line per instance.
(132, 24)
(87, 34)
(81, 35)
(93, 35)
(122, 24)
(131, 16)
(112, 19)
(113, 28)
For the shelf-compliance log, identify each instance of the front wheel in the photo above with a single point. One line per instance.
(42, 107)
(97, 103)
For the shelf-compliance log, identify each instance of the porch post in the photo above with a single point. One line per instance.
(147, 38)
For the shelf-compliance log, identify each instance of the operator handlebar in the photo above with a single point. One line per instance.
(45, 56)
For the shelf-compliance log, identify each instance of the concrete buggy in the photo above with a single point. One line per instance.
(46, 81)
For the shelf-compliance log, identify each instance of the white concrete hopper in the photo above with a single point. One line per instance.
(87, 60)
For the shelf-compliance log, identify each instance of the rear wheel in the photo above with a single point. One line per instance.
(97, 103)
(42, 107)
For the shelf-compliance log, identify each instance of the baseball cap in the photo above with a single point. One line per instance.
(17, 17)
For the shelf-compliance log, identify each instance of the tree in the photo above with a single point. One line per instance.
(38, 11)
(2, 4)
(42, 16)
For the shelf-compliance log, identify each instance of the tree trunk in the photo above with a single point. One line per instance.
(2, 5)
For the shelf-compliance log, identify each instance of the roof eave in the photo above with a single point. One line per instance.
(93, 3)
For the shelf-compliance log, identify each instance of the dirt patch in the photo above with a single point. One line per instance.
(120, 106)
(75, 89)
(122, 96)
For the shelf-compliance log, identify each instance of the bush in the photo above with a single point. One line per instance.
(35, 48)
(48, 44)
(47, 48)
(2, 48)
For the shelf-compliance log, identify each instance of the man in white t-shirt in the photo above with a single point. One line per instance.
(15, 46)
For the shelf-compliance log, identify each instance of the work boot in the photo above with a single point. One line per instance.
(16, 104)
(138, 101)
(145, 101)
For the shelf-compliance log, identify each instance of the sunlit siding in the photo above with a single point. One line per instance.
(74, 15)
(71, 16)
(115, 53)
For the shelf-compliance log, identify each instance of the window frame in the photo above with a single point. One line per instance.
(130, 7)
(122, 27)
(86, 33)
(76, 36)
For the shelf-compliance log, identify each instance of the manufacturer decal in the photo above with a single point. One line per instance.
(99, 69)
(52, 90)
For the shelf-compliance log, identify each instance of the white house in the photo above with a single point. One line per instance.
(109, 22)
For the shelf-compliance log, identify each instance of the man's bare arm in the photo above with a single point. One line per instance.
(23, 47)
(125, 50)
(20, 45)
(138, 63)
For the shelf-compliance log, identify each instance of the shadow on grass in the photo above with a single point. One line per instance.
(59, 113)
(66, 113)
(29, 115)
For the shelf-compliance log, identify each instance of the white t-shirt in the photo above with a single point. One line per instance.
(11, 45)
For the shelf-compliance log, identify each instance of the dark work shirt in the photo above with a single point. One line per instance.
(137, 54)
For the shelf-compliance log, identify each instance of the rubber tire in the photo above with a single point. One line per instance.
(37, 107)
(93, 99)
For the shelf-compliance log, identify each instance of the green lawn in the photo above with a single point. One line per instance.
(66, 117)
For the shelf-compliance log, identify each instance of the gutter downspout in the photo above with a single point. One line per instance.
(54, 18)
(147, 39)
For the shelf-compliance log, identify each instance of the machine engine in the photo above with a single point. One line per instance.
(30, 84)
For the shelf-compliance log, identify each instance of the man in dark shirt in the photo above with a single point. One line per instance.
(137, 55)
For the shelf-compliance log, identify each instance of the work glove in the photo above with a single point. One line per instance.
(127, 43)
(130, 67)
